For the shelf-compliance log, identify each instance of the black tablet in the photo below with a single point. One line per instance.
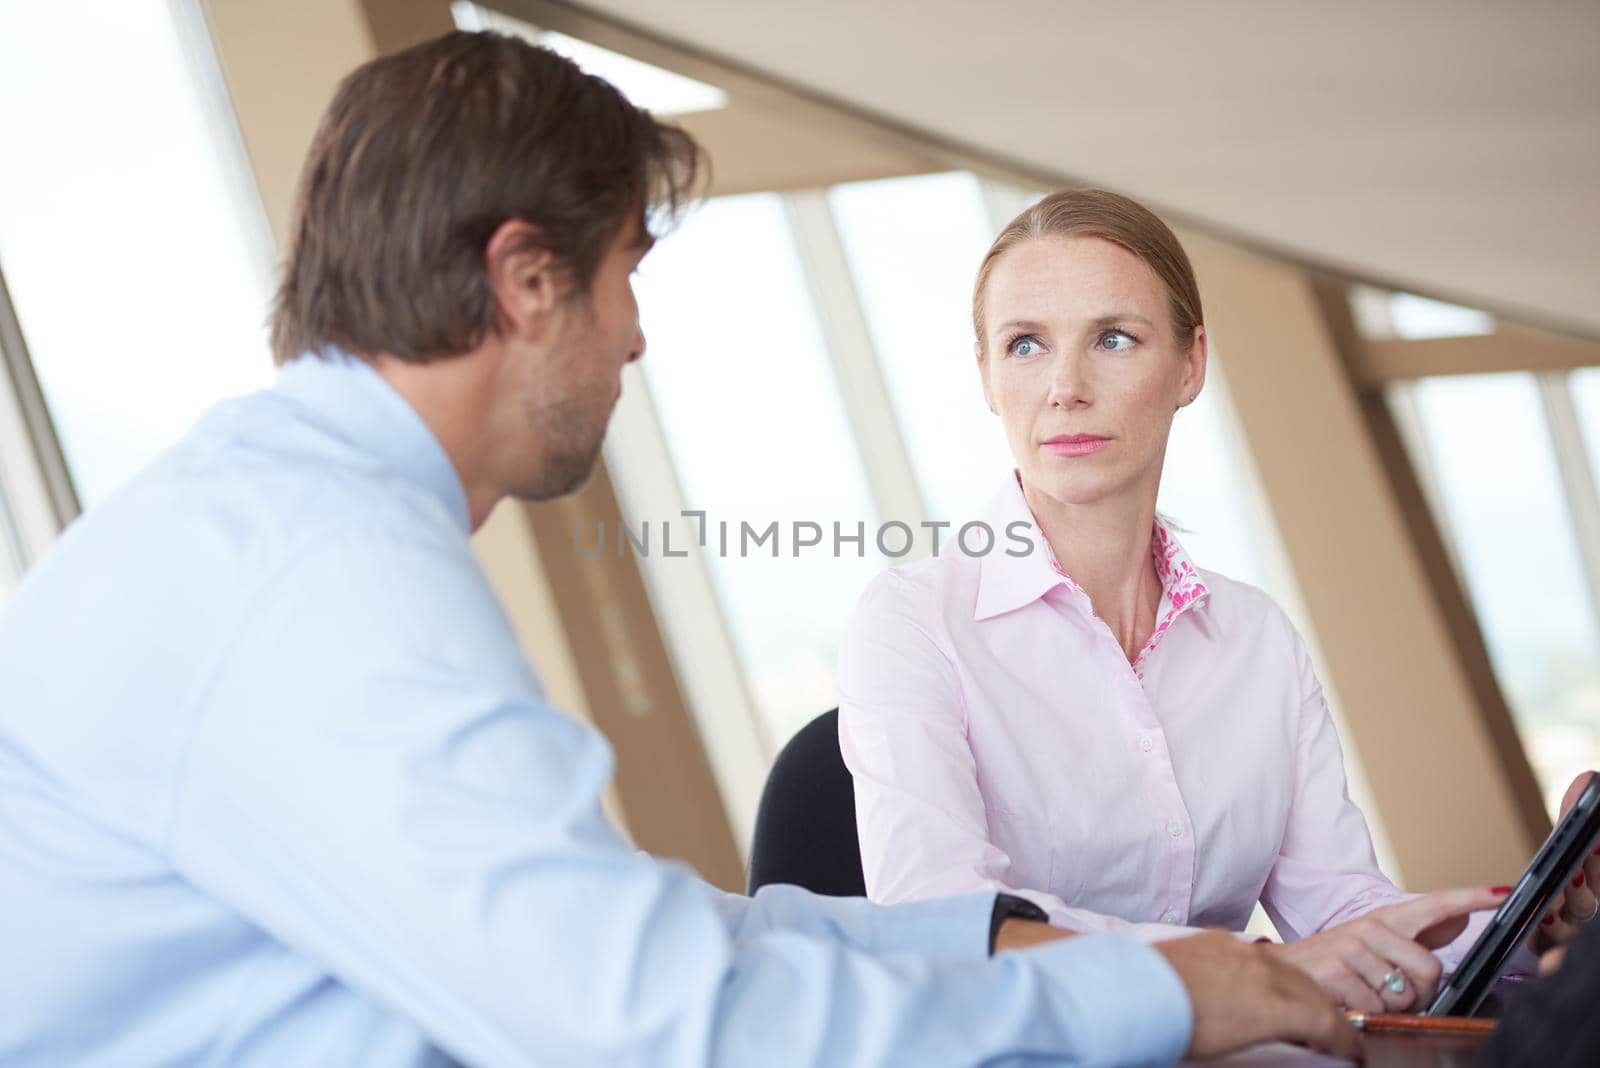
(1556, 862)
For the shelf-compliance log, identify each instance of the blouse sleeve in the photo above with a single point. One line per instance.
(1326, 871)
(903, 732)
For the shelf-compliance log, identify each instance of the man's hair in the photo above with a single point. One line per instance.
(419, 160)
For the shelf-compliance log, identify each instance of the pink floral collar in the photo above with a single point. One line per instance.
(1182, 587)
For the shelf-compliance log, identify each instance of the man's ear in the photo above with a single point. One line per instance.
(525, 278)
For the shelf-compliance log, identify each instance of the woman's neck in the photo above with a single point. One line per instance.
(1105, 548)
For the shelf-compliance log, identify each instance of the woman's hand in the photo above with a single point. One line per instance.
(1241, 995)
(1383, 961)
(1577, 903)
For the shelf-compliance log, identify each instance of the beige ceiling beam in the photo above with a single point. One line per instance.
(771, 137)
(756, 149)
(1423, 712)
(585, 623)
(1376, 364)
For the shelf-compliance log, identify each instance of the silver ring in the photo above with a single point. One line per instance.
(1585, 919)
(1395, 982)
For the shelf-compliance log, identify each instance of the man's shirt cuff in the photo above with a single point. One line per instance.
(1133, 1007)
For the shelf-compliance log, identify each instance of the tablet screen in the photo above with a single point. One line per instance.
(1463, 992)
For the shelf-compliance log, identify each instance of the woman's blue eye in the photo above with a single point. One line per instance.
(1024, 346)
(1116, 341)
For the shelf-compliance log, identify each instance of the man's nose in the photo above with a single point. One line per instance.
(637, 352)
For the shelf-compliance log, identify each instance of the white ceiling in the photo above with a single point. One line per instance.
(1451, 148)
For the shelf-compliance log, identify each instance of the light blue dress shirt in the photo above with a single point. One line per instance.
(277, 787)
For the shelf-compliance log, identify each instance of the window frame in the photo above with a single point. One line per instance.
(39, 496)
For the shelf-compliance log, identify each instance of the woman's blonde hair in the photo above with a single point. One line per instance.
(1114, 218)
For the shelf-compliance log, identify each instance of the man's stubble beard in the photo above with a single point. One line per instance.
(572, 449)
(572, 422)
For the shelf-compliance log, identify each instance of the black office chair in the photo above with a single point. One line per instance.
(806, 824)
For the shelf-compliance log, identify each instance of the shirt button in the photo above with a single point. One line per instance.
(1170, 918)
(1175, 828)
(1146, 744)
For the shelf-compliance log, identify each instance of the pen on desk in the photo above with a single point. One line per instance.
(1437, 1025)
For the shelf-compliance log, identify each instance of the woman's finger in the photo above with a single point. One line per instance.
(1556, 930)
(1442, 934)
(1580, 905)
(1420, 966)
(1352, 990)
(1570, 798)
(1374, 971)
(1411, 918)
(1591, 868)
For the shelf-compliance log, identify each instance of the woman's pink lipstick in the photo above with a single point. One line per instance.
(1076, 444)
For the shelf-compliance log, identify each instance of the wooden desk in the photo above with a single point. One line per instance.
(1383, 1051)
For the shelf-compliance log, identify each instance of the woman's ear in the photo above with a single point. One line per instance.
(1194, 373)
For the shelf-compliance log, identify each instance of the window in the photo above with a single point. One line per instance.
(11, 558)
(663, 92)
(36, 494)
(914, 245)
(135, 253)
(1507, 517)
(1586, 396)
(1207, 493)
(744, 393)
(16, 457)
(1493, 469)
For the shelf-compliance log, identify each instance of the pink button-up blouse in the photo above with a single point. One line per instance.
(1000, 738)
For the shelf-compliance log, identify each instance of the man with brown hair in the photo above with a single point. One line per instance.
(276, 784)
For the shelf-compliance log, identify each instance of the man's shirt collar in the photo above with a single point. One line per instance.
(353, 400)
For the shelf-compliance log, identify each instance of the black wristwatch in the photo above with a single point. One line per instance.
(1008, 906)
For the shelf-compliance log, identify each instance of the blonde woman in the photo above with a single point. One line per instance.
(1082, 715)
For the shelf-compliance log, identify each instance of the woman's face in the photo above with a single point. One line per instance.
(1080, 364)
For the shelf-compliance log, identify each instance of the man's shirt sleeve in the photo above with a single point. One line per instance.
(374, 778)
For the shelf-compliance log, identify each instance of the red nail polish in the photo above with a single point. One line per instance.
(1501, 890)
(1548, 920)
(1577, 880)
